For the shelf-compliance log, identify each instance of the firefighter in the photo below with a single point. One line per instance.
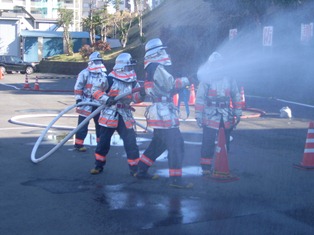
(218, 103)
(95, 72)
(162, 115)
(117, 114)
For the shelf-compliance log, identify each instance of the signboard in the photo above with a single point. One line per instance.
(268, 36)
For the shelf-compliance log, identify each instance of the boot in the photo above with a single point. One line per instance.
(141, 174)
(208, 171)
(133, 170)
(177, 182)
(80, 148)
(97, 170)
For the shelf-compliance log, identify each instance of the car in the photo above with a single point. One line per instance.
(9, 64)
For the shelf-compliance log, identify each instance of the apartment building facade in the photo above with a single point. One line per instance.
(42, 14)
(17, 16)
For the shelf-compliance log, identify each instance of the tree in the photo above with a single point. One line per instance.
(116, 4)
(139, 8)
(92, 22)
(105, 20)
(123, 22)
(65, 20)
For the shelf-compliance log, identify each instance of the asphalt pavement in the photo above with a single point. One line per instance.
(59, 196)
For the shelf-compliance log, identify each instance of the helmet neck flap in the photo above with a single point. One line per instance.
(96, 66)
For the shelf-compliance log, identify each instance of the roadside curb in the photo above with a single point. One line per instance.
(54, 77)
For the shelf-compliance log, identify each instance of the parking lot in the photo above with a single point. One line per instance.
(59, 196)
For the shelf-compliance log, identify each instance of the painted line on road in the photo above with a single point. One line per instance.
(11, 86)
(282, 100)
(13, 128)
(291, 102)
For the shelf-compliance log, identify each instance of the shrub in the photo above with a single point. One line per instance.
(86, 51)
(101, 46)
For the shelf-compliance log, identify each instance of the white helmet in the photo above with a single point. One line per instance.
(155, 53)
(152, 46)
(123, 62)
(213, 69)
(215, 57)
(95, 64)
(123, 69)
(95, 56)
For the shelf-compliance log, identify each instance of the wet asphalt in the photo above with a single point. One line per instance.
(59, 196)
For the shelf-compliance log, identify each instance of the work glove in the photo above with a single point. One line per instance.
(111, 101)
(199, 122)
(78, 101)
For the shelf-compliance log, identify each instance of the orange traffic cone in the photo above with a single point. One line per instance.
(36, 86)
(26, 85)
(243, 105)
(308, 156)
(221, 167)
(1, 74)
(192, 95)
(175, 99)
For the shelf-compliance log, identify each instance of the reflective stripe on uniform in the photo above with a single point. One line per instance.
(175, 172)
(129, 124)
(216, 124)
(206, 161)
(133, 162)
(118, 75)
(100, 157)
(97, 94)
(108, 122)
(113, 92)
(212, 92)
(147, 161)
(79, 141)
(83, 112)
(149, 85)
(162, 123)
(78, 92)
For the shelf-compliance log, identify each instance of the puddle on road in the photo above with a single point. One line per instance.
(152, 209)
(59, 186)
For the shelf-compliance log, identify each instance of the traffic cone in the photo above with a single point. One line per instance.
(243, 105)
(221, 167)
(26, 85)
(36, 86)
(175, 99)
(192, 95)
(308, 156)
(1, 74)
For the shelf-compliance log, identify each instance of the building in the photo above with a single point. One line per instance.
(19, 16)
(44, 13)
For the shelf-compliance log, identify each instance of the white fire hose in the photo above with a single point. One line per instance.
(87, 119)
(39, 140)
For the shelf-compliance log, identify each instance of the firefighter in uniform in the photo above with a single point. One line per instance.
(218, 103)
(117, 114)
(162, 115)
(95, 72)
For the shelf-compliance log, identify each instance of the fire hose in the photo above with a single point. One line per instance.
(87, 119)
